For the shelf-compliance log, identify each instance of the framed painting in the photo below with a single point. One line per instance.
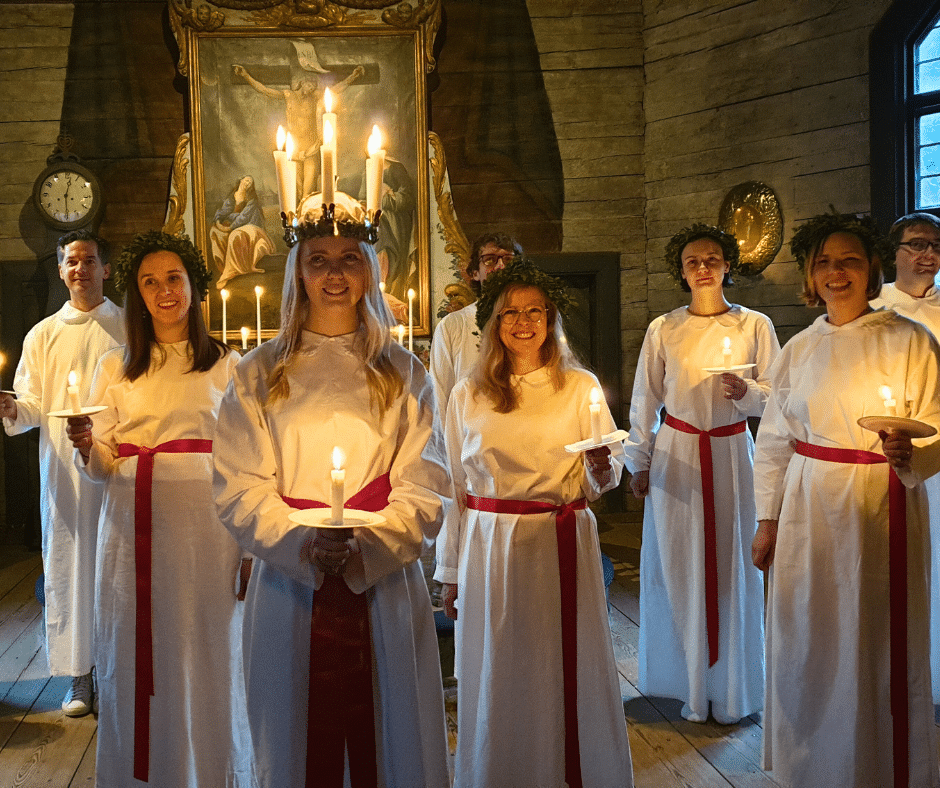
(251, 72)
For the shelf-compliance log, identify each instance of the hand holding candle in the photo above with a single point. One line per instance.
(595, 409)
(72, 391)
(337, 487)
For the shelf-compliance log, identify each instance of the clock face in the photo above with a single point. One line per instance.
(66, 197)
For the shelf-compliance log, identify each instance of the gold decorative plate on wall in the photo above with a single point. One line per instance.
(751, 213)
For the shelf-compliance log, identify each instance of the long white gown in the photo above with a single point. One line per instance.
(265, 451)
(69, 503)
(673, 649)
(827, 719)
(510, 690)
(926, 311)
(198, 732)
(454, 349)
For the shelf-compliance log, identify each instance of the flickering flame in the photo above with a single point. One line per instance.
(280, 137)
(727, 343)
(375, 141)
(382, 286)
(411, 294)
(595, 395)
(224, 294)
(258, 290)
(73, 378)
(338, 458)
(885, 392)
(327, 132)
(327, 100)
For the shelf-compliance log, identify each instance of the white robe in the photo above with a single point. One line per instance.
(454, 349)
(673, 650)
(265, 451)
(510, 700)
(69, 504)
(198, 733)
(827, 719)
(926, 311)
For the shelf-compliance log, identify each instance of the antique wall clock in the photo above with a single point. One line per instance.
(67, 195)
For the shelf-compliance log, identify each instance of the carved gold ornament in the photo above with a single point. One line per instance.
(751, 213)
(175, 224)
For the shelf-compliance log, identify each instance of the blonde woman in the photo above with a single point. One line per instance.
(538, 696)
(341, 662)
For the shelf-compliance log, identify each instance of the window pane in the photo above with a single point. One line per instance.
(929, 160)
(926, 67)
(928, 193)
(929, 129)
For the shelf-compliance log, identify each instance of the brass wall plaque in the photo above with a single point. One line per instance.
(751, 213)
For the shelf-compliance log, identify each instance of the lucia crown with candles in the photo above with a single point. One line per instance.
(329, 212)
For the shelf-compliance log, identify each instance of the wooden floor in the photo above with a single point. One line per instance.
(39, 746)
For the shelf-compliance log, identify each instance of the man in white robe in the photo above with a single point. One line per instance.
(914, 294)
(73, 339)
(455, 345)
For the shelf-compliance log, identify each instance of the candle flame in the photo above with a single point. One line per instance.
(224, 293)
(327, 132)
(328, 104)
(401, 331)
(280, 138)
(290, 146)
(382, 286)
(411, 294)
(73, 378)
(3, 359)
(885, 393)
(375, 141)
(245, 332)
(338, 458)
(595, 395)
(727, 343)
(258, 290)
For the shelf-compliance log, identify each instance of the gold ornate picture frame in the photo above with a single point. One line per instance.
(751, 213)
(254, 65)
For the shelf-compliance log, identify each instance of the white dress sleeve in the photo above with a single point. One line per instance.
(649, 392)
(758, 388)
(448, 540)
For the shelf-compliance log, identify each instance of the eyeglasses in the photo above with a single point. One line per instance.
(534, 314)
(492, 260)
(920, 245)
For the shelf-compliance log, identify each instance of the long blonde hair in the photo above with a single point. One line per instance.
(491, 375)
(373, 341)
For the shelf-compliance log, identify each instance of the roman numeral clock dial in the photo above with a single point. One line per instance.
(67, 196)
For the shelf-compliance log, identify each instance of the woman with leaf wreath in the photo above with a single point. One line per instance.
(701, 601)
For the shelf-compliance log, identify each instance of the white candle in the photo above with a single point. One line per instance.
(337, 483)
(401, 334)
(375, 167)
(286, 172)
(890, 403)
(726, 352)
(381, 287)
(411, 321)
(224, 294)
(245, 337)
(72, 391)
(595, 409)
(327, 166)
(330, 117)
(258, 291)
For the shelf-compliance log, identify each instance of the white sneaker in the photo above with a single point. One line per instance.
(77, 701)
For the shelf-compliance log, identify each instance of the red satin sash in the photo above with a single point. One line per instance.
(565, 533)
(897, 593)
(708, 507)
(340, 708)
(143, 562)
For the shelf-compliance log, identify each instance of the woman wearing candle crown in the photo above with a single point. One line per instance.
(342, 668)
(539, 702)
(848, 677)
(167, 622)
(701, 600)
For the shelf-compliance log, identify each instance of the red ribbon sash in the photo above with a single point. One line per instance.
(897, 593)
(340, 709)
(143, 562)
(565, 533)
(708, 507)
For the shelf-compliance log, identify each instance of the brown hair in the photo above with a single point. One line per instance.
(875, 276)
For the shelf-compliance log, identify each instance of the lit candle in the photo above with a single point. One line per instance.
(327, 169)
(375, 166)
(224, 294)
(244, 337)
(330, 117)
(727, 352)
(411, 321)
(381, 287)
(401, 334)
(72, 391)
(338, 480)
(595, 408)
(890, 403)
(286, 172)
(258, 291)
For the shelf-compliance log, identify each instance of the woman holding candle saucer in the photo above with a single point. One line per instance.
(701, 600)
(848, 678)
(167, 624)
(539, 702)
(341, 660)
